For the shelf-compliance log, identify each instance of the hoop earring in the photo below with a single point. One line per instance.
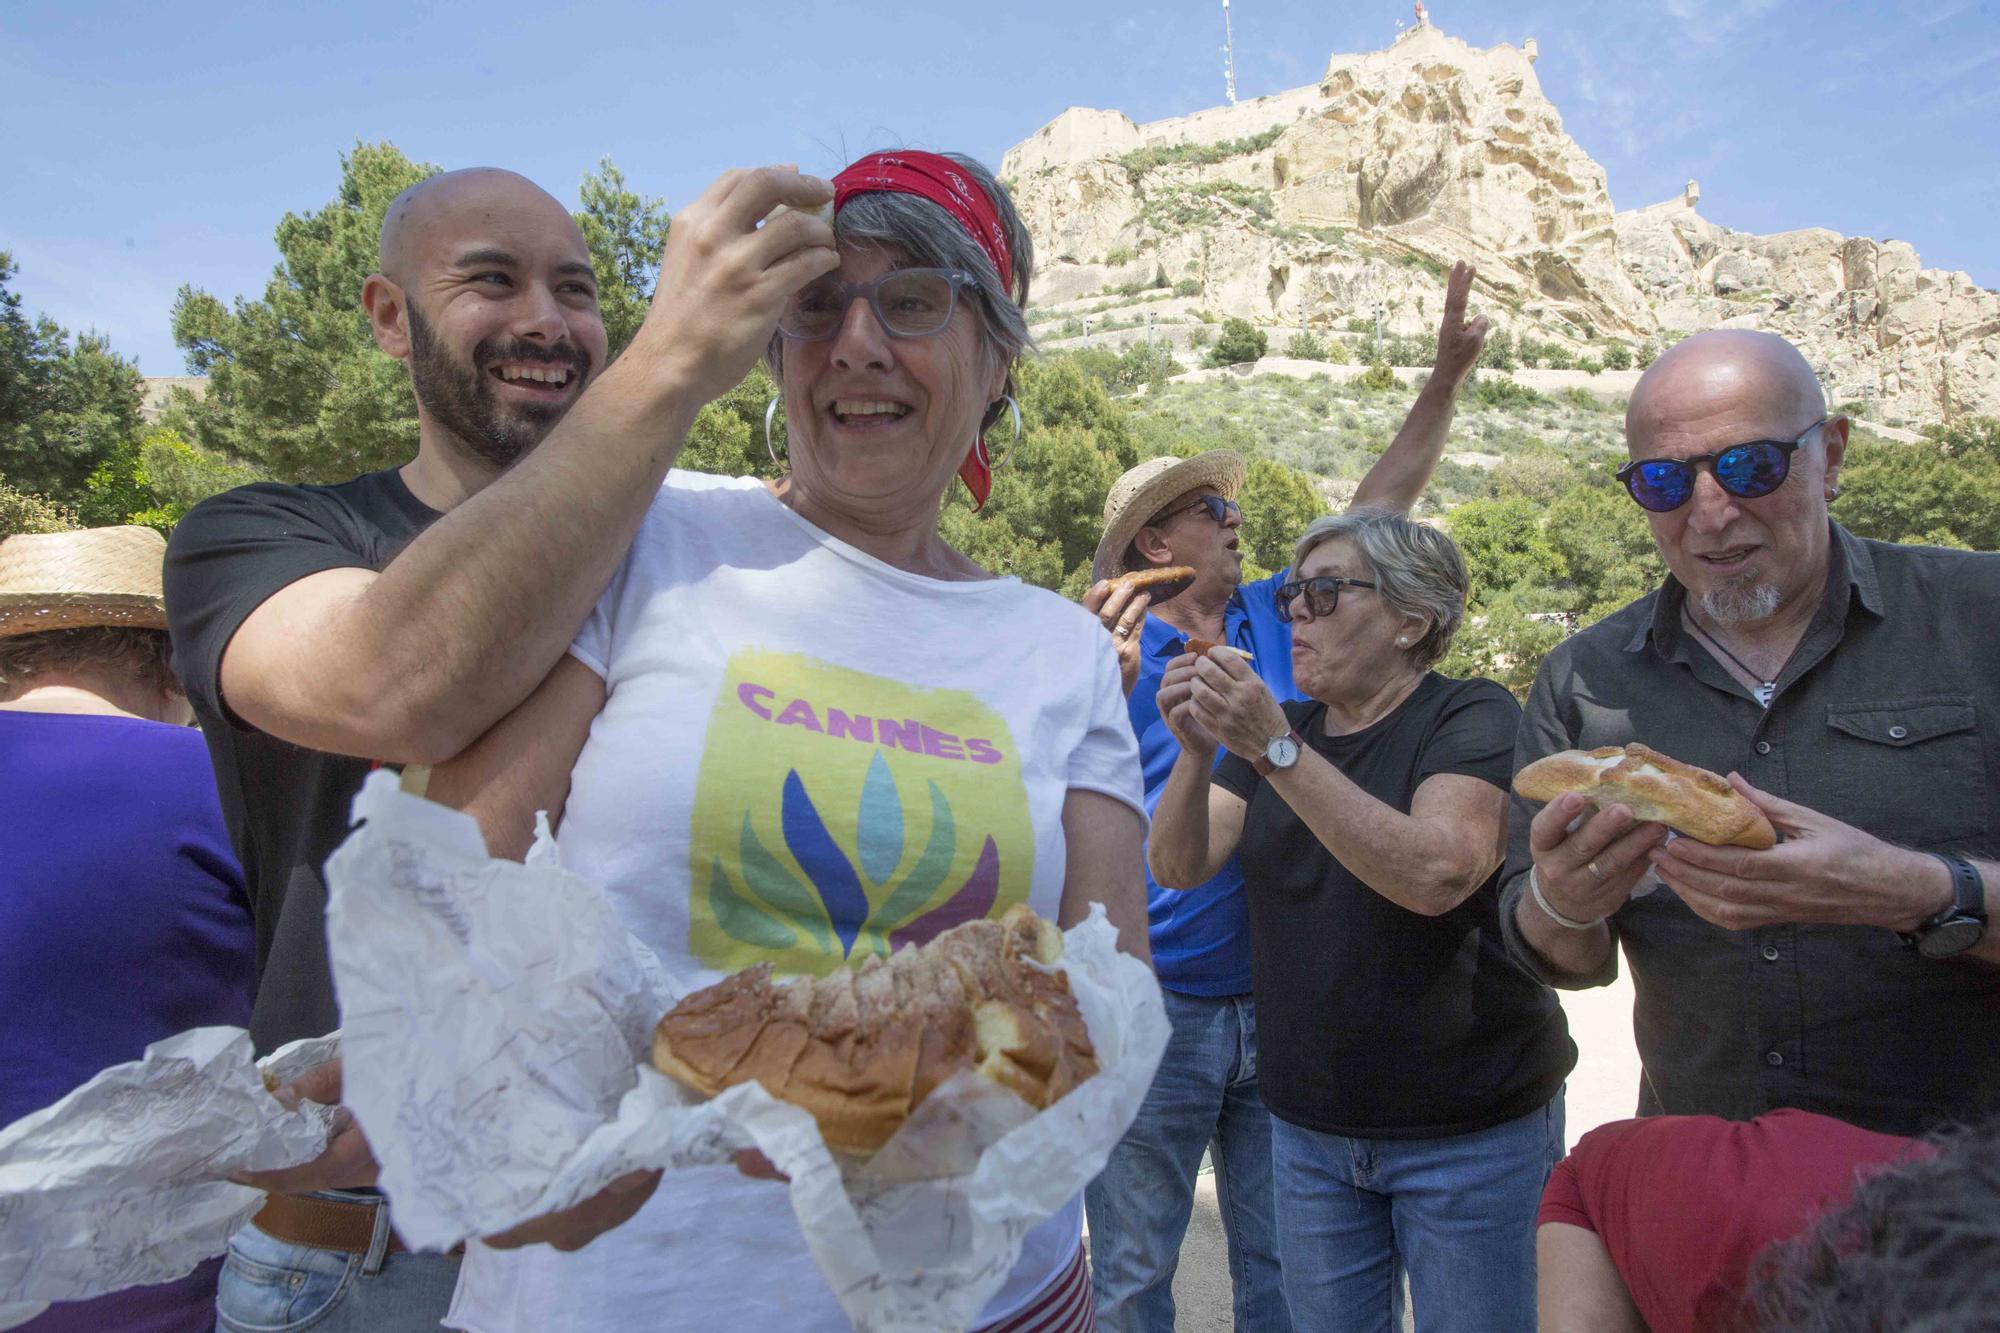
(771, 411)
(986, 456)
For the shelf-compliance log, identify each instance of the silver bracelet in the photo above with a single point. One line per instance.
(1535, 887)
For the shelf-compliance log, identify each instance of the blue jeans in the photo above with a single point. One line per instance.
(1459, 1212)
(1204, 1095)
(273, 1286)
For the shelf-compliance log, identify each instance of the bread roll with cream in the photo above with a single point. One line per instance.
(1659, 789)
(861, 1048)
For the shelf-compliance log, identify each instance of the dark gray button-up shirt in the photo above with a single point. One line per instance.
(1886, 717)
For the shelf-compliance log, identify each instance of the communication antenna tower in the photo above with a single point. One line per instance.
(1228, 55)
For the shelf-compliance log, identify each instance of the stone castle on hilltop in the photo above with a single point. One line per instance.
(1309, 207)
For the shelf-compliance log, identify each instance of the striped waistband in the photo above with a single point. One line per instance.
(1065, 1306)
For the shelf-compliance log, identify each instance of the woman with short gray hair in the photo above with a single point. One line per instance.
(1413, 1073)
(746, 795)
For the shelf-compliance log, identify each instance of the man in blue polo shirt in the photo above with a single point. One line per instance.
(1183, 511)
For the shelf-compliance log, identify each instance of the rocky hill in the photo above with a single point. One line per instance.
(1312, 208)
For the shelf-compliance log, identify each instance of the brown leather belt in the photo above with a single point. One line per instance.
(326, 1224)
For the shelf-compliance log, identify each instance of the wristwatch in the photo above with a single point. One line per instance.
(1961, 924)
(1282, 752)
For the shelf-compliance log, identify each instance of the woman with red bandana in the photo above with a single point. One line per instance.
(801, 728)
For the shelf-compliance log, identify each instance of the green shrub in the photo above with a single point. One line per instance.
(1188, 287)
(1495, 391)
(1434, 267)
(1140, 161)
(1241, 341)
(1498, 353)
(24, 511)
(1378, 377)
(1617, 356)
(1305, 347)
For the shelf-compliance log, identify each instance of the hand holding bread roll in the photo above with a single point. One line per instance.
(1201, 648)
(1658, 789)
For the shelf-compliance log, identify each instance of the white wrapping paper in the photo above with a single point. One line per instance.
(498, 1020)
(124, 1182)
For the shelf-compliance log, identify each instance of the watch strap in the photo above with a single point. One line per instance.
(1968, 900)
(1262, 763)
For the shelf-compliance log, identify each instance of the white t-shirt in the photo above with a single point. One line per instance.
(805, 755)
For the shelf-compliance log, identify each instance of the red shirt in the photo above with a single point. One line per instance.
(1685, 1203)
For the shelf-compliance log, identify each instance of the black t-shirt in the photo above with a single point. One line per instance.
(286, 806)
(1374, 1021)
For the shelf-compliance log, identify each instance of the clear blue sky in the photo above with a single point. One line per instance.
(148, 145)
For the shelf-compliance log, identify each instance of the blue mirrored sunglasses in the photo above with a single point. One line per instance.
(1219, 509)
(1746, 471)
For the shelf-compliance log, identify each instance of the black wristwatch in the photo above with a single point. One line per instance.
(1959, 926)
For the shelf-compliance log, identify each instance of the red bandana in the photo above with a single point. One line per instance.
(944, 183)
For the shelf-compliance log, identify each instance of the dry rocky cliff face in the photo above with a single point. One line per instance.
(1310, 207)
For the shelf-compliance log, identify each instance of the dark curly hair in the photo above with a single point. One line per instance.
(141, 655)
(1918, 1248)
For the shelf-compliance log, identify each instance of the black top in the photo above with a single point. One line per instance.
(1374, 1021)
(1886, 717)
(286, 807)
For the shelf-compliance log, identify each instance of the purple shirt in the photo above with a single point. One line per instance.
(122, 920)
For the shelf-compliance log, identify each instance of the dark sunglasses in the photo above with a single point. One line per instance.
(1219, 509)
(907, 303)
(1746, 471)
(1322, 595)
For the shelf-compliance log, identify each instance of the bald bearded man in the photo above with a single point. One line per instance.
(1853, 687)
(321, 631)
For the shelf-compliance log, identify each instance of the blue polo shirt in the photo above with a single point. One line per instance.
(1201, 936)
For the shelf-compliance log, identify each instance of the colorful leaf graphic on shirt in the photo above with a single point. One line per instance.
(968, 904)
(925, 877)
(839, 813)
(779, 889)
(742, 918)
(878, 830)
(824, 863)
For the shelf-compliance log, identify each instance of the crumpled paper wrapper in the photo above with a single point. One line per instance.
(124, 1182)
(498, 1023)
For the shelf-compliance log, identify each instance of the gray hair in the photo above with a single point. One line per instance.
(932, 238)
(1417, 569)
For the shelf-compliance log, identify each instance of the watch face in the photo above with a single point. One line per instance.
(1282, 752)
(1948, 938)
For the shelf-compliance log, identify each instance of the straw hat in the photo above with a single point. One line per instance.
(1144, 491)
(74, 580)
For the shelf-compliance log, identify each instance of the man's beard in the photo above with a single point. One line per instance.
(1740, 602)
(461, 398)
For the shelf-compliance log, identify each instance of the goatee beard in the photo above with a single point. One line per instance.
(461, 398)
(1740, 603)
